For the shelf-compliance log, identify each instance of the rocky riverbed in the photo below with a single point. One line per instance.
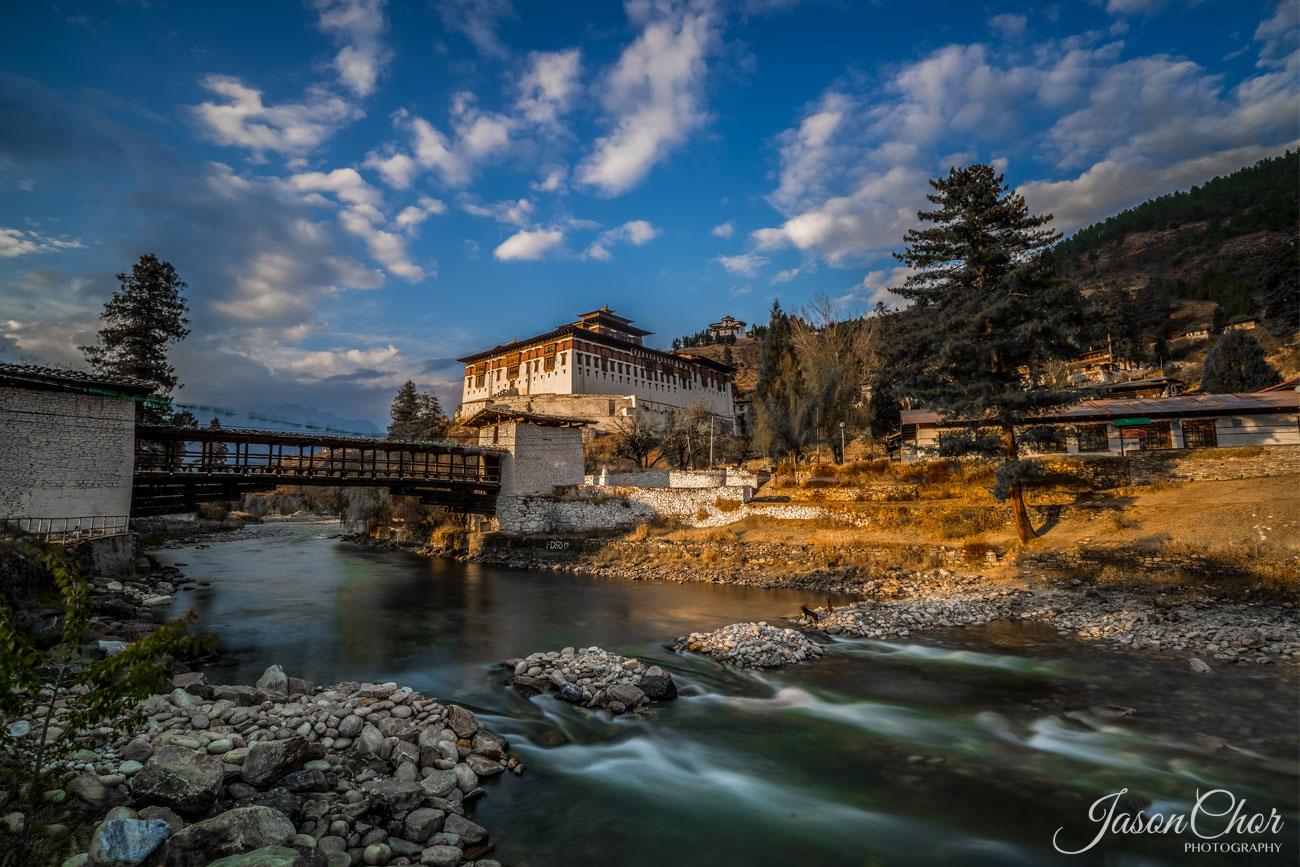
(351, 774)
(1189, 622)
(593, 677)
(752, 645)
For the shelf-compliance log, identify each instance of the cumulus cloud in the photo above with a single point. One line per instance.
(357, 25)
(242, 119)
(515, 213)
(746, 264)
(413, 215)
(552, 183)
(19, 242)
(547, 88)
(529, 244)
(786, 276)
(653, 96)
(477, 136)
(634, 232)
(854, 167)
(724, 230)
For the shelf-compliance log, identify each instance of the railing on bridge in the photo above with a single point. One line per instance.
(62, 529)
(299, 458)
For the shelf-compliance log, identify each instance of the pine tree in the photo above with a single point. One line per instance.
(405, 412)
(779, 404)
(416, 416)
(986, 309)
(1235, 364)
(1218, 319)
(142, 319)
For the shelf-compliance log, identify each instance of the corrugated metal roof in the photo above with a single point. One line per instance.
(1150, 407)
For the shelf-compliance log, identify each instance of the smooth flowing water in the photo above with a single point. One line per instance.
(972, 748)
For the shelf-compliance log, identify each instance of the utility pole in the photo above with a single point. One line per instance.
(841, 442)
(712, 416)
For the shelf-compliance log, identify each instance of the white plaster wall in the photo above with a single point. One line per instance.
(65, 455)
(540, 458)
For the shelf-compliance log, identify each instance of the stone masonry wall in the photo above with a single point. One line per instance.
(725, 478)
(65, 455)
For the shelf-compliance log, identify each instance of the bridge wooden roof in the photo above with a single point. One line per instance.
(70, 379)
(170, 433)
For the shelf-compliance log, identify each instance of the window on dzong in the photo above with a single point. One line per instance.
(1200, 434)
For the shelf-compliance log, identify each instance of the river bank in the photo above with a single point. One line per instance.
(884, 748)
(1131, 604)
(277, 774)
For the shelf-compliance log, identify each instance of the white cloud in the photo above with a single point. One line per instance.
(244, 120)
(653, 96)
(552, 183)
(1280, 35)
(854, 167)
(1133, 7)
(529, 245)
(478, 137)
(18, 242)
(413, 215)
(725, 230)
(319, 364)
(477, 20)
(346, 184)
(634, 232)
(358, 25)
(1009, 25)
(746, 264)
(547, 89)
(786, 276)
(516, 213)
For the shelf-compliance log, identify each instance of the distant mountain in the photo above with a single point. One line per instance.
(293, 417)
(1231, 242)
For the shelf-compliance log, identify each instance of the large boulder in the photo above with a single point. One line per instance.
(462, 721)
(126, 842)
(268, 761)
(179, 779)
(465, 829)
(629, 695)
(90, 789)
(274, 680)
(659, 687)
(235, 832)
(396, 795)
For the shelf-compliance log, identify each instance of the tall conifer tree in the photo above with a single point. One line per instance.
(142, 319)
(987, 316)
(1235, 364)
(779, 404)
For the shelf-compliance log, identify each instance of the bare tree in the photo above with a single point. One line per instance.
(836, 353)
(637, 440)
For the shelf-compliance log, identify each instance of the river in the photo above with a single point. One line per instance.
(973, 747)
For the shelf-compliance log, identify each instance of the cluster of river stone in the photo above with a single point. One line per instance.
(593, 677)
(239, 776)
(752, 645)
(1176, 621)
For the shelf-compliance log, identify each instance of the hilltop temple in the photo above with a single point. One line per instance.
(596, 368)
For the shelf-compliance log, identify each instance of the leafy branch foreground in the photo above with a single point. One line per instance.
(55, 702)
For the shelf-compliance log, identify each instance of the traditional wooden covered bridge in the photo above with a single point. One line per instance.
(178, 468)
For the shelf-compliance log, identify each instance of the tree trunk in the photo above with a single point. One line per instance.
(1016, 493)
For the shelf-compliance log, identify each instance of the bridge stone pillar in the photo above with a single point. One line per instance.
(541, 456)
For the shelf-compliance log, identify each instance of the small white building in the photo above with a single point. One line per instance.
(1126, 425)
(728, 327)
(67, 450)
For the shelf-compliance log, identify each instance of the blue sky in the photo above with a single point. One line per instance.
(358, 192)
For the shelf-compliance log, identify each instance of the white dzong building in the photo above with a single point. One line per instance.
(597, 368)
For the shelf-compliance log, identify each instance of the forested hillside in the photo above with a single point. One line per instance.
(1225, 249)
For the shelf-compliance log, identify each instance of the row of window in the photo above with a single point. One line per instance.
(1197, 434)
